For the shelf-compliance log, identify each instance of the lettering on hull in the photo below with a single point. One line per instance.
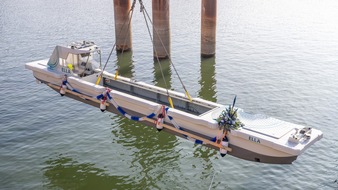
(65, 70)
(254, 139)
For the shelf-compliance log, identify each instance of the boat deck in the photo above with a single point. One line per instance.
(265, 125)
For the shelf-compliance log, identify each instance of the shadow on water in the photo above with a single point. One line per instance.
(66, 173)
(152, 153)
(149, 155)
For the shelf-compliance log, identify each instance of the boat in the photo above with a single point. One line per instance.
(73, 72)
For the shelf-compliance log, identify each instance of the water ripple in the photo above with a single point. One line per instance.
(278, 57)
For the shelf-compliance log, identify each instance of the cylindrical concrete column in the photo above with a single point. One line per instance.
(208, 28)
(161, 28)
(122, 30)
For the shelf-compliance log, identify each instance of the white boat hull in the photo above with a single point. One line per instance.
(137, 100)
(267, 154)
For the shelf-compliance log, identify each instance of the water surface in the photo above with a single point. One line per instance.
(279, 57)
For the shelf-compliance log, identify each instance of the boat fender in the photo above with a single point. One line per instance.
(103, 106)
(63, 86)
(159, 122)
(160, 118)
(63, 90)
(224, 143)
(103, 97)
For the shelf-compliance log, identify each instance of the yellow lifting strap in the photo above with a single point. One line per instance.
(188, 95)
(116, 74)
(170, 102)
(98, 80)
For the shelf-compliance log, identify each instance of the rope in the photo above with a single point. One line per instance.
(106, 96)
(105, 65)
(186, 91)
(212, 180)
(131, 9)
(142, 9)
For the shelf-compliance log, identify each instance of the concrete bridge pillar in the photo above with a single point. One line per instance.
(208, 28)
(161, 28)
(122, 30)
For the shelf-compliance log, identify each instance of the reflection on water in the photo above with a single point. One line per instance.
(279, 57)
(158, 78)
(207, 80)
(125, 65)
(208, 92)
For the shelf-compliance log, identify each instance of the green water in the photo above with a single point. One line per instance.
(278, 57)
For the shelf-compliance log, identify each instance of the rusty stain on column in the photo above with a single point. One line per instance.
(122, 30)
(208, 28)
(161, 20)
